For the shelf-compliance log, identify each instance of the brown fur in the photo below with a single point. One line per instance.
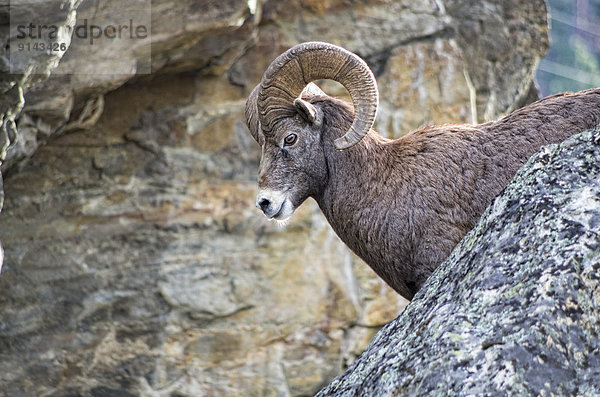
(402, 205)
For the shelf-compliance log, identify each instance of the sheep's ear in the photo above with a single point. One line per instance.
(308, 112)
(312, 89)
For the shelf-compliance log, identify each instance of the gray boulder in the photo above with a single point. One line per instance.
(515, 310)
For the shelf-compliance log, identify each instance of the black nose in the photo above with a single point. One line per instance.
(264, 204)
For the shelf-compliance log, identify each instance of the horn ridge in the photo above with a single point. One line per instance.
(304, 63)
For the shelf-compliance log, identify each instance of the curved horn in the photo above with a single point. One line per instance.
(251, 113)
(302, 64)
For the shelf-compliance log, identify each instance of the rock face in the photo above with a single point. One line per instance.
(18, 73)
(15, 80)
(515, 310)
(135, 261)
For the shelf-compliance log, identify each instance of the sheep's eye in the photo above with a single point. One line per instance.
(290, 139)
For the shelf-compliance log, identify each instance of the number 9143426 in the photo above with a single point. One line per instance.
(41, 46)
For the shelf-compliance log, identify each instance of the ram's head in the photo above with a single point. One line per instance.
(291, 119)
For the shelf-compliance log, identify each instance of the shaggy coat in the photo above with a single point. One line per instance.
(402, 205)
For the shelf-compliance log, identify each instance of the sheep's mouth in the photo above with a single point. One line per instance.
(285, 211)
(278, 213)
(275, 204)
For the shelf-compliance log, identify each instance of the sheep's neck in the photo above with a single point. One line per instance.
(352, 173)
(352, 199)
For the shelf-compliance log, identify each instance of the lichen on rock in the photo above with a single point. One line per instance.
(515, 310)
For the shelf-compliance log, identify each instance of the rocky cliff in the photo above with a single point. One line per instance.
(515, 310)
(135, 262)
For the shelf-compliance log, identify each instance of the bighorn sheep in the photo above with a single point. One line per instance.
(401, 205)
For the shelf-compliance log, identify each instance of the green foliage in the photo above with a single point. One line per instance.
(573, 61)
(584, 58)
